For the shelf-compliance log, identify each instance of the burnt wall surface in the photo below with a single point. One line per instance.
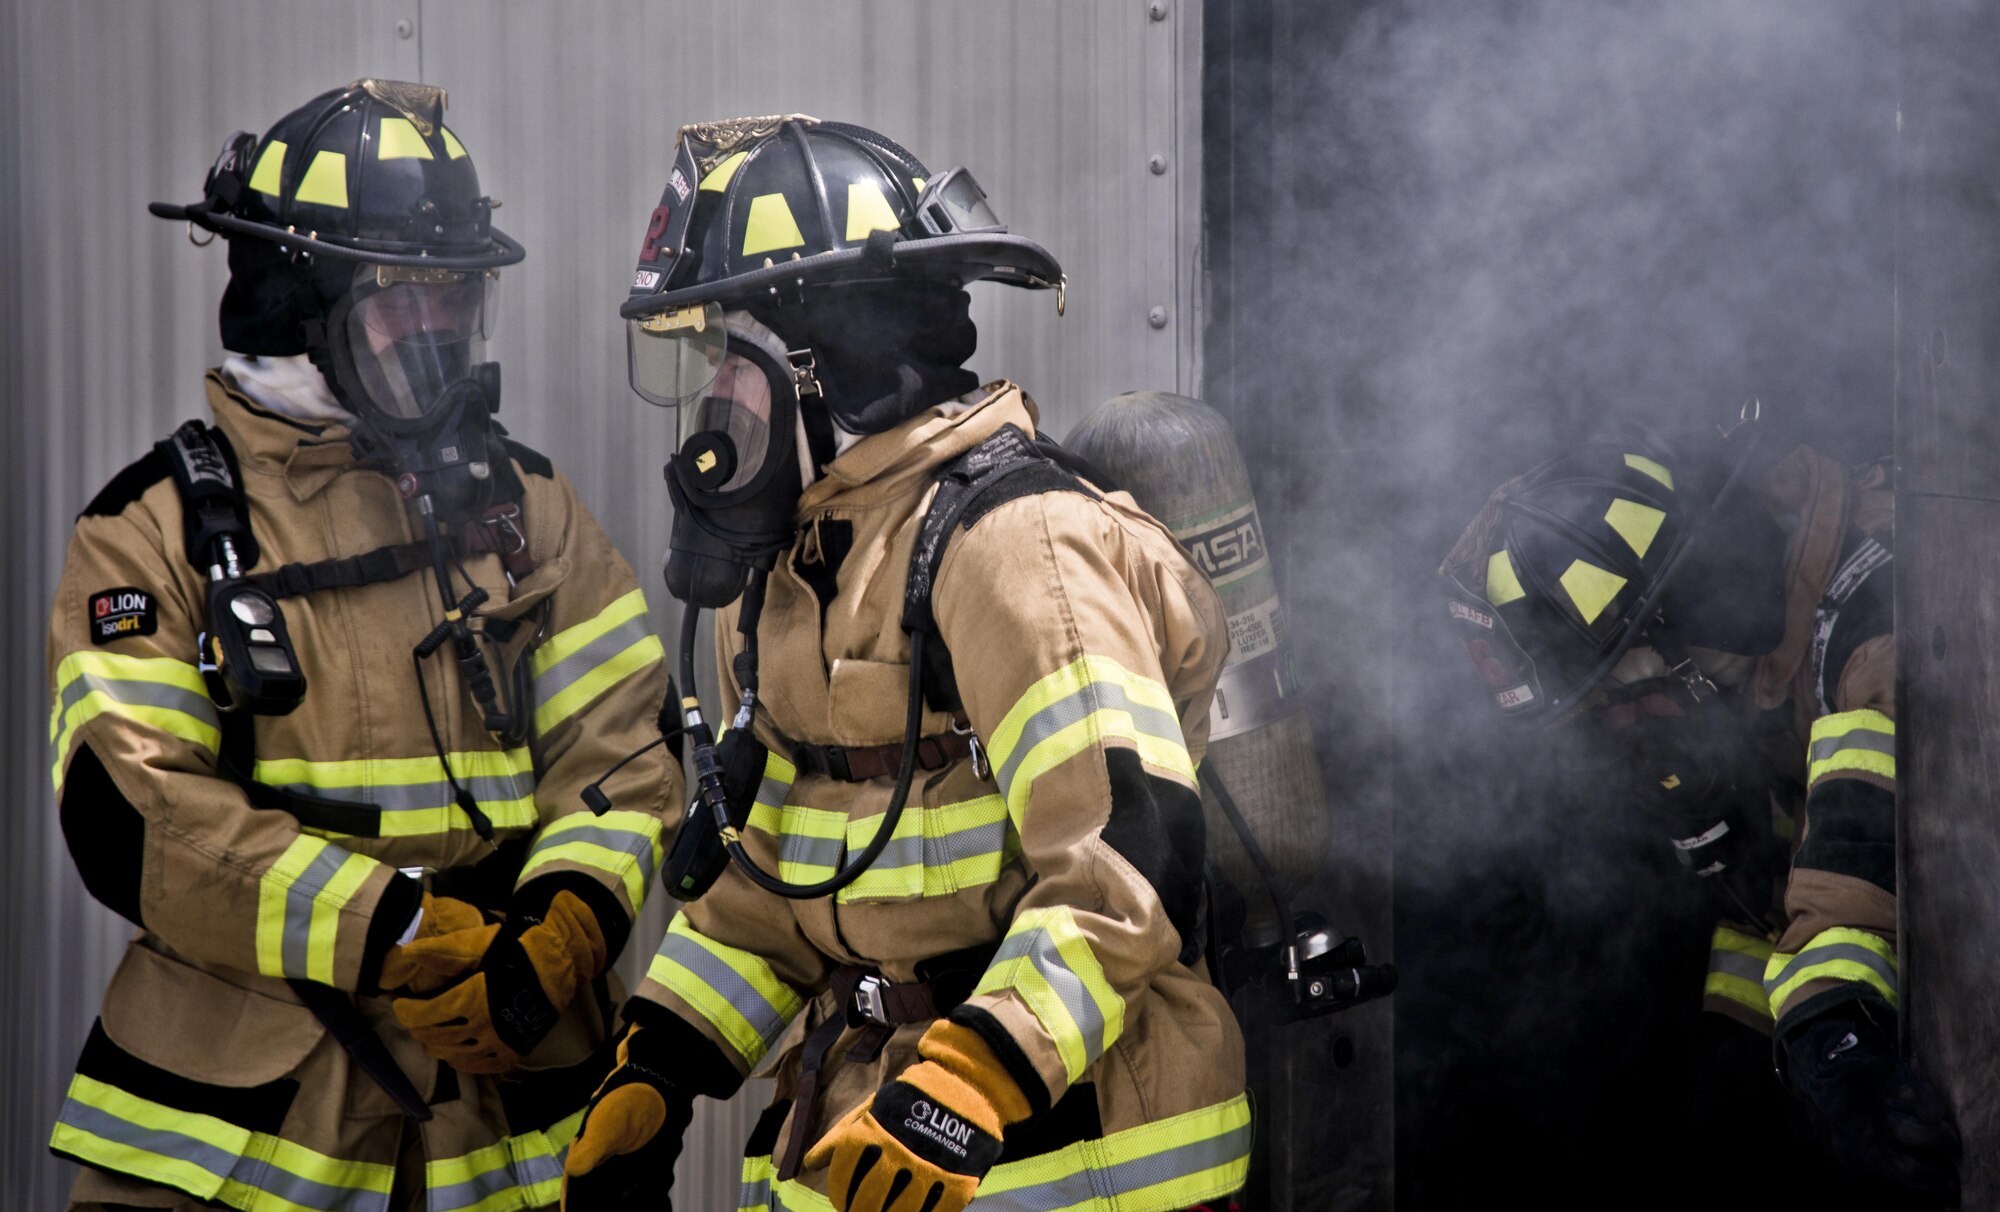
(1442, 239)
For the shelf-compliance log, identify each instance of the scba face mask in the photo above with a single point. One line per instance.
(736, 477)
(407, 348)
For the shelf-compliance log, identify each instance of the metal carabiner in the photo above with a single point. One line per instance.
(981, 768)
(1751, 412)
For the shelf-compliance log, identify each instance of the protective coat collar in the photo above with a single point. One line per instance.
(308, 457)
(889, 463)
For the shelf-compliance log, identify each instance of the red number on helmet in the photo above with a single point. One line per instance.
(657, 227)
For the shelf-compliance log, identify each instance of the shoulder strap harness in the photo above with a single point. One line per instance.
(1828, 657)
(1005, 466)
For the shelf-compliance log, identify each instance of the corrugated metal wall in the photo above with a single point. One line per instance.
(1076, 116)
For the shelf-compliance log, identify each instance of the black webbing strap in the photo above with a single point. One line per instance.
(893, 1005)
(237, 762)
(391, 563)
(398, 560)
(1854, 573)
(1007, 465)
(203, 466)
(336, 1011)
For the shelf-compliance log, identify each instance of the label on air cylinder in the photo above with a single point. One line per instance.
(1228, 545)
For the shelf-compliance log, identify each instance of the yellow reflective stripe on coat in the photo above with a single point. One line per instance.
(1048, 963)
(810, 840)
(621, 844)
(1851, 742)
(1839, 954)
(413, 795)
(299, 901)
(575, 665)
(935, 851)
(158, 692)
(1736, 963)
(210, 1158)
(737, 992)
(1158, 1167)
(524, 1171)
(1091, 700)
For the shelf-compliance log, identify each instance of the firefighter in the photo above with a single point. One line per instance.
(329, 679)
(964, 837)
(1730, 632)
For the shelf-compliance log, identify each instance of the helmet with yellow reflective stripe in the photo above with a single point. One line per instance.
(360, 238)
(366, 172)
(765, 208)
(1568, 566)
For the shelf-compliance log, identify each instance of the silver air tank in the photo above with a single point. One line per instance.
(1177, 458)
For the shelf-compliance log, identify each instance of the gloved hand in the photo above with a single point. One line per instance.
(487, 1022)
(1880, 1116)
(623, 1156)
(929, 1136)
(452, 937)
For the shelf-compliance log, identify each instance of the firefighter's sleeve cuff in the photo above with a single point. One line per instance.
(1853, 998)
(702, 1067)
(532, 899)
(401, 900)
(981, 1022)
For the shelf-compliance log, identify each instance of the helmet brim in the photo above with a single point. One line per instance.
(501, 252)
(971, 257)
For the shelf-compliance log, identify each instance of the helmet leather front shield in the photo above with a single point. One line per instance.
(1506, 668)
(414, 336)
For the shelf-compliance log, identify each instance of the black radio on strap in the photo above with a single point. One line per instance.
(246, 655)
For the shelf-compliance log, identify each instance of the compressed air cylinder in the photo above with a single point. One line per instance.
(1177, 458)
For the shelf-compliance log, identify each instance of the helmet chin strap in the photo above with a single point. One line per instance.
(1680, 673)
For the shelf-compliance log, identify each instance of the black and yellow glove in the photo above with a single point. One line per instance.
(928, 1137)
(491, 1019)
(624, 1153)
(451, 939)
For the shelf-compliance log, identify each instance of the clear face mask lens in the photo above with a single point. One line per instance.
(415, 334)
(738, 404)
(673, 357)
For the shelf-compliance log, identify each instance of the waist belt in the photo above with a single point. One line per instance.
(877, 1007)
(860, 763)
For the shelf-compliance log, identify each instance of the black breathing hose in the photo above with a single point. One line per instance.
(905, 773)
(712, 791)
(1280, 903)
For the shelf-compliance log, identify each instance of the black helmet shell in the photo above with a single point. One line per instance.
(368, 172)
(1564, 568)
(756, 207)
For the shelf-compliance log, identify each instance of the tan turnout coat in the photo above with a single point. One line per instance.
(205, 1076)
(1086, 646)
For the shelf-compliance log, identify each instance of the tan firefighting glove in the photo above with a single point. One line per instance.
(451, 939)
(929, 1136)
(624, 1154)
(487, 1022)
